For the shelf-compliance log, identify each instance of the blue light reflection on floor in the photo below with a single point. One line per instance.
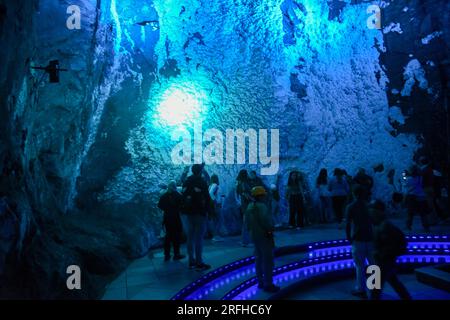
(206, 286)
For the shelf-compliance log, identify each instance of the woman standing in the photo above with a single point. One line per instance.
(275, 205)
(324, 195)
(339, 190)
(171, 203)
(243, 198)
(294, 194)
(214, 219)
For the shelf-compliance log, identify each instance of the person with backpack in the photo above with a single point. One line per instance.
(389, 243)
(196, 205)
(171, 203)
(359, 234)
(260, 225)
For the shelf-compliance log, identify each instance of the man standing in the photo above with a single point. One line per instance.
(389, 243)
(196, 206)
(359, 233)
(171, 202)
(416, 199)
(260, 225)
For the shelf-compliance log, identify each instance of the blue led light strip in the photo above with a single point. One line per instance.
(425, 247)
(317, 266)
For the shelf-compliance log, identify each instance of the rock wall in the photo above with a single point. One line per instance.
(47, 131)
(84, 158)
(340, 92)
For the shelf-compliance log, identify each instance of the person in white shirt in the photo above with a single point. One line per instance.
(324, 196)
(339, 190)
(215, 221)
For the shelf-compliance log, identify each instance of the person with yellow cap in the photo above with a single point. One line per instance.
(260, 225)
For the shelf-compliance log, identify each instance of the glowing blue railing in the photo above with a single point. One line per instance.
(299, 272)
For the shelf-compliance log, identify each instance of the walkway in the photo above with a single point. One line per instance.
(151, 278)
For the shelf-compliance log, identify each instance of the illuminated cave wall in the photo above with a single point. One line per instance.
(341, 94)
(270, 64)
(84, 158)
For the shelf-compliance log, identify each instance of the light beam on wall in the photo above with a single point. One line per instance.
(179, 106)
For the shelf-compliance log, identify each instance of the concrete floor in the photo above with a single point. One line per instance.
(151, 278)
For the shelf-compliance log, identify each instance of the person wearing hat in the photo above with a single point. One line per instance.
(260, 225)
(389, 242)
(170, 203)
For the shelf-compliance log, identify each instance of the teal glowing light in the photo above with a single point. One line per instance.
(179, 104)
(178, 107)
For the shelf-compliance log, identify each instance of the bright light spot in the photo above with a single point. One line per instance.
(178, 107)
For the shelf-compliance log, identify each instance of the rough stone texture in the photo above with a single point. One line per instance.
(318, 74)
(84, 158)
(47, 131)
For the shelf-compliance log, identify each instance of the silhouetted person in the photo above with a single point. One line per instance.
(260, 225)
(324, 195)
(359, 233)
(415, 199)
(171, 203)
(339, 190)
(214, 218)
(196, 206)
(294, 194)
(243, 197)
(427, 173)
(389, 243)
(275, 205)
(205, 174)
(440, 194)
(254, 180)
(365, 181)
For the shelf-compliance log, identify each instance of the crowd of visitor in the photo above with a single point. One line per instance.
(342, 199)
